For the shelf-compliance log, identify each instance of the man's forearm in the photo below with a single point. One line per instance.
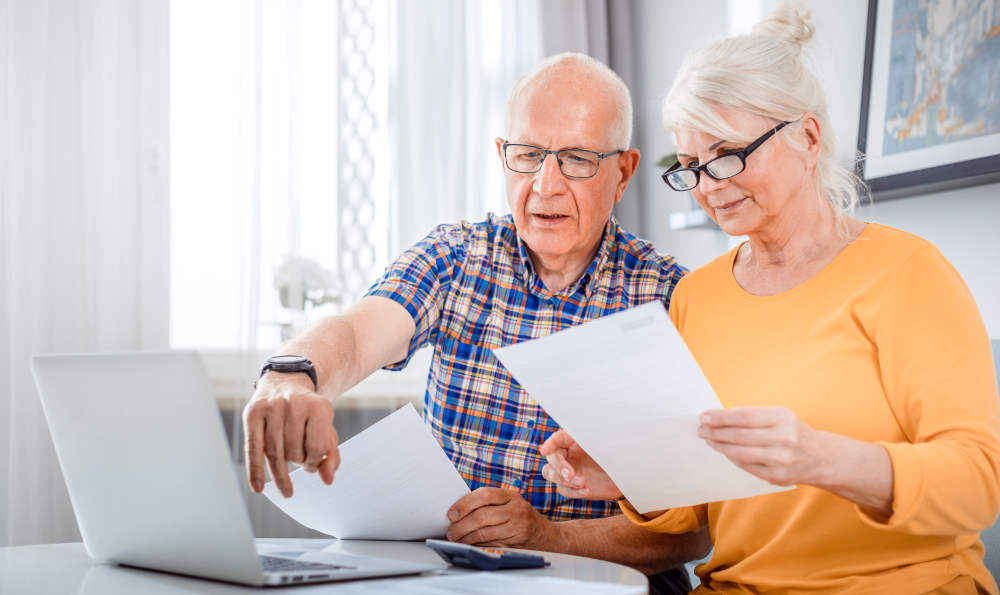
(348, 348)
(616, 539)
(329, 345)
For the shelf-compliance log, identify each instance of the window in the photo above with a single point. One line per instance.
(257, 91)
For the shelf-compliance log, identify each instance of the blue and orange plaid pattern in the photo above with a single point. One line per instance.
(471, 288)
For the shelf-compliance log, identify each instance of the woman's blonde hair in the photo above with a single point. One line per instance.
(761, 74)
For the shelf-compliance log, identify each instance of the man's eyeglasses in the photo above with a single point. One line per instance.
(573, 163)
(724, 166)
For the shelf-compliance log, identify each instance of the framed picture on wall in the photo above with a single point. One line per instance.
(930, 104)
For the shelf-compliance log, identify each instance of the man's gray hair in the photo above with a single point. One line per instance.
(554, 67)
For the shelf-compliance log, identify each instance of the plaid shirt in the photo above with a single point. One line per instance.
(471, 288)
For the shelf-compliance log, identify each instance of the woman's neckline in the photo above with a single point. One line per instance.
(731, 274)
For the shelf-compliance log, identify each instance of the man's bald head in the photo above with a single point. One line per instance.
(579, 71)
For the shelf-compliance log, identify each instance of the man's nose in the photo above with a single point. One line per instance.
(549, 181)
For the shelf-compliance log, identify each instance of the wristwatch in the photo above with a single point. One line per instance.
(289, 364)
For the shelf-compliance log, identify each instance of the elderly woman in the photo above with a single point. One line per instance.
(850, 356)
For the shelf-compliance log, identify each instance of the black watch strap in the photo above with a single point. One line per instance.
(289, 364)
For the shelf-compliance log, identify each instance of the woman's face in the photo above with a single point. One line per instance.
(776, 185)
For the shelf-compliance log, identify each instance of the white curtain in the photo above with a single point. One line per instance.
(453, 65)
(83, 258)
(254, 166)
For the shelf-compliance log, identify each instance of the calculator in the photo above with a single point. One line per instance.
(482, 558)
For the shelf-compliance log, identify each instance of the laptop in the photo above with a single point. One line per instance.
(143, 451)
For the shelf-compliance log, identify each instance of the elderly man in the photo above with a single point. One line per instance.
(559, 260)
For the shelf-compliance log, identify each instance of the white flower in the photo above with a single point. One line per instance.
(300, 276)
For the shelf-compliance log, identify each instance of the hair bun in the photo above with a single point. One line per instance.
(788, 24)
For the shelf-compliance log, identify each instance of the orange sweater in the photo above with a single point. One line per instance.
(886, 345)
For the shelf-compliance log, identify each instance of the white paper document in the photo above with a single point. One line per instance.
(628, 390)
(394, 483)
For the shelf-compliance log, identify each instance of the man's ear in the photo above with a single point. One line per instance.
(628, 162)
(500, 143)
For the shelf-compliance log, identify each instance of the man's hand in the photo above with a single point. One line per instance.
(287, 421)
(575, 474)
(499, 518)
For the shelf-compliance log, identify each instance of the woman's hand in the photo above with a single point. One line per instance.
(575, 474)
(769, 442)
(776, 446)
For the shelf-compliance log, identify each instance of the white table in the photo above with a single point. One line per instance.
(64, 569)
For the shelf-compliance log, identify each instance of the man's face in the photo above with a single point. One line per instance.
(555, 215)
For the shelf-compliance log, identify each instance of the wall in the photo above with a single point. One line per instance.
(963, 224)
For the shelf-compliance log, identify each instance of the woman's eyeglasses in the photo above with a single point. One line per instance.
(725, 166)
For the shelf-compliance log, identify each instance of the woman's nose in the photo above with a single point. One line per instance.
(709, 185)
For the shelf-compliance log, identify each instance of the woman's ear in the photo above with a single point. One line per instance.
(813, 137)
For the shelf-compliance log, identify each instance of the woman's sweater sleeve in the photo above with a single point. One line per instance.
(938, 376)
(675, 520)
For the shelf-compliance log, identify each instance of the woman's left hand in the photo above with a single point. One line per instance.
(769, 442)
(776, 446)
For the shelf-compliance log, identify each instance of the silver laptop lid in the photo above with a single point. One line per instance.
(143, 451)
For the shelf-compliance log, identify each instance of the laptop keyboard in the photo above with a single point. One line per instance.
(273, 564)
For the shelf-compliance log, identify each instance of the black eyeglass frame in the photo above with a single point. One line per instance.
(742, 154)
(546, 153)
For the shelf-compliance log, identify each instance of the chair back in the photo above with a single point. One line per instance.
(991, 536)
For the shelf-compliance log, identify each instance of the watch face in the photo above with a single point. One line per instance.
(286, 359)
